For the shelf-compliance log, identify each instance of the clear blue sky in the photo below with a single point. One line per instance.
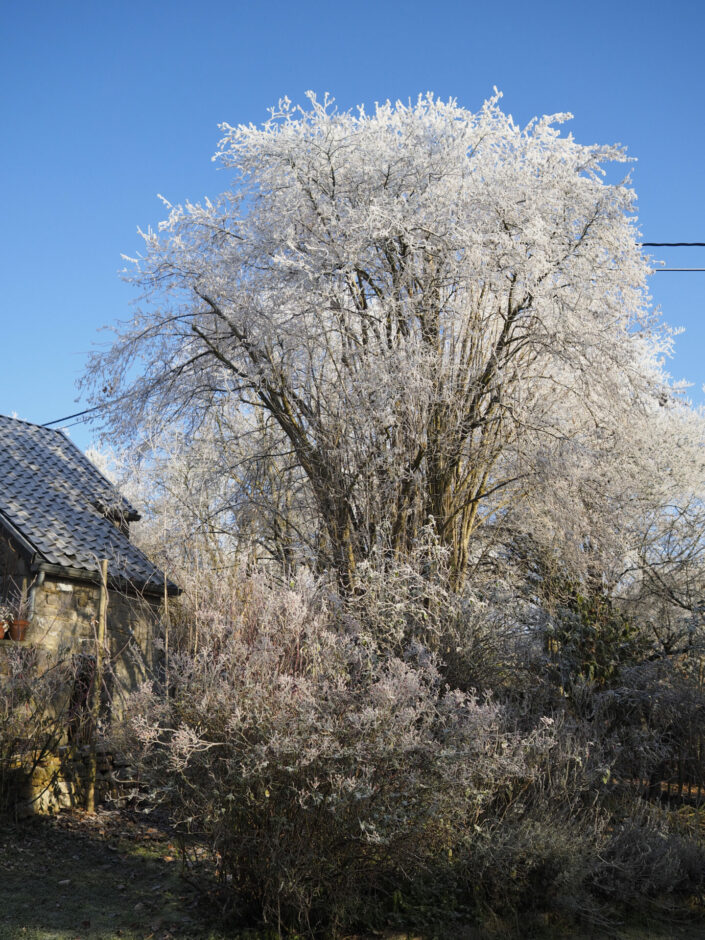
(106, 104)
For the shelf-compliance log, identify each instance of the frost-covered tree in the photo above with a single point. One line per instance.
(427, 315)
(208, 502)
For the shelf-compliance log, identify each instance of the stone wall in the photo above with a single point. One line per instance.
(66, 615)
(63, 614)
(65, 619)
(60, 781)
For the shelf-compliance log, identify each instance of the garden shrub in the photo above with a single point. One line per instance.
(588, 637)
(343, 781)
(329, 779)
(647, 858)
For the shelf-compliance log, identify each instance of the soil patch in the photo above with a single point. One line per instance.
(103, 877)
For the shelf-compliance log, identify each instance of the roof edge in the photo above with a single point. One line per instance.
(116, 583)
(30, 550)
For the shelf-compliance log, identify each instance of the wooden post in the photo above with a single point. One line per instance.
(97, 687)
(166, 636)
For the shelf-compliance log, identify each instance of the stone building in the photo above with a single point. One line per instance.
(59, 516)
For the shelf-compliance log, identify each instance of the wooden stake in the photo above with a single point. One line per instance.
(166, 636)
(97, 687)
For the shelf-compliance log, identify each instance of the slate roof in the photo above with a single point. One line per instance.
(61, 506)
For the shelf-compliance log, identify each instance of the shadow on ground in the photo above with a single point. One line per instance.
(98, 878)
(116, 876)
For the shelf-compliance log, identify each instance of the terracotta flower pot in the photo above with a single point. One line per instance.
(18, 628)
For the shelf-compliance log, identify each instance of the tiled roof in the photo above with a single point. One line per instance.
(60, 504)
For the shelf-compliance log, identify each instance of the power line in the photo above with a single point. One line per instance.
(77, 415)
(87, 411)
(674, 245)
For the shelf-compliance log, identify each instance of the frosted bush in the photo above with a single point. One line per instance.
(324, 775)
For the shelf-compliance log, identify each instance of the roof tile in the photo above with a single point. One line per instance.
(50, 492)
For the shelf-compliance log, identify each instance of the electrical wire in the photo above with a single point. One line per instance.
(674, 245)
(78, 414)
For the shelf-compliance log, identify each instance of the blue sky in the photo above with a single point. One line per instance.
(106, 104)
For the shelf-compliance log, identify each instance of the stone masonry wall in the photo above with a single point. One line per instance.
(65, 615)
(65, 618)
(60, 781)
